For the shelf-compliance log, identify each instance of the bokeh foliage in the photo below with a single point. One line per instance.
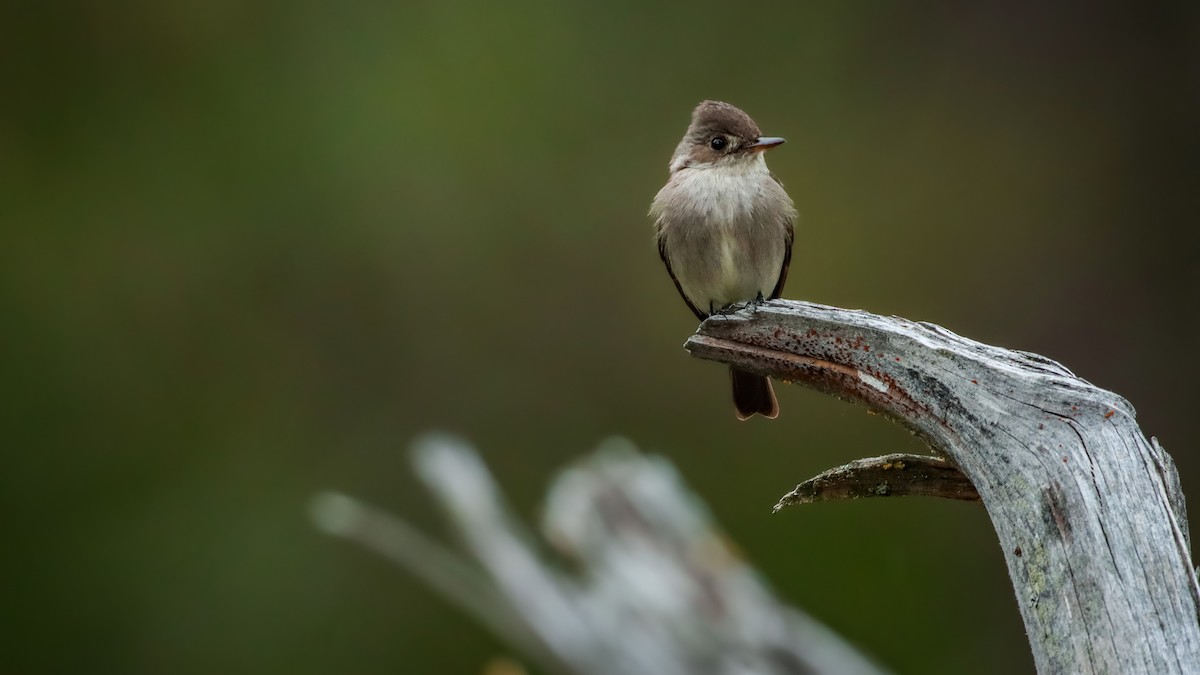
(250, 249)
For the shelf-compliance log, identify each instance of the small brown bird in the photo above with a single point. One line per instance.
(723, 224)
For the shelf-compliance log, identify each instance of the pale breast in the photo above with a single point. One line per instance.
(725, 232)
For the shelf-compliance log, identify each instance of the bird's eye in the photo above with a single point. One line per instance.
(717, 143)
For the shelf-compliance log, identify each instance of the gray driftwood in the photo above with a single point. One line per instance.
(895, 475)
(653, 586)
(1087, 509)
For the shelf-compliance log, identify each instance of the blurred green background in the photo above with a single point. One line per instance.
(251, 249)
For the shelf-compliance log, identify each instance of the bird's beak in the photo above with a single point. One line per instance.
(765, 143)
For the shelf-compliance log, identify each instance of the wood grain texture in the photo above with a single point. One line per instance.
(895, 475)
(1088, 511)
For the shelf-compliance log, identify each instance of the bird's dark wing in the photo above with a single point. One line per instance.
(789, 236)
(662, 253)
(787, 262)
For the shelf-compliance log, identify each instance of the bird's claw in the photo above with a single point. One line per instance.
(735, 307)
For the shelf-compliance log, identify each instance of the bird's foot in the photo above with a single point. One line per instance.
(735, 307)
(724, 311)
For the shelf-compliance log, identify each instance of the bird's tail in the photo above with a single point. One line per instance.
(752, 395)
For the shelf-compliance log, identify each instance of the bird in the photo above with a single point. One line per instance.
(724, 226)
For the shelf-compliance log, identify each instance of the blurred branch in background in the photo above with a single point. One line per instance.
(656, 589)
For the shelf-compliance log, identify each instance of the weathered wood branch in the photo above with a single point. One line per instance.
(654, 588)
(896, 475)
(1088, 511)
